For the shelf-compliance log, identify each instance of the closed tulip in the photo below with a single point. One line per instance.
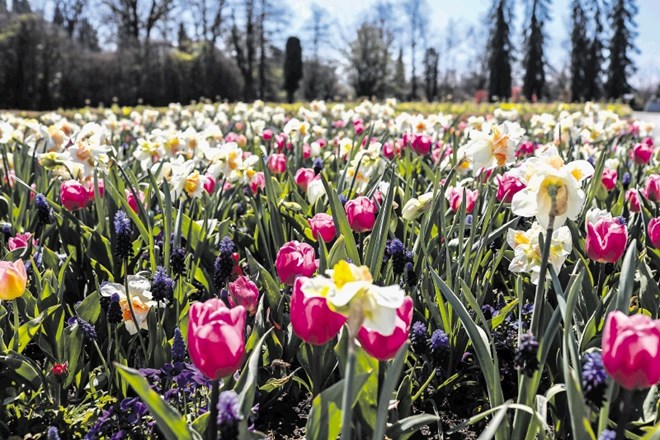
(311, 318)
(295, 259)
(421, 144)
(361, 213)
(653, 230)
(507, 186)
(303, 177)
(13, 279)
(652, 188)
(455, 198)
(632, 198)
(609, 179)
(386, 347)
(642, 153)
(277, 163)
(216, 341)
(20, 241)
(631, 353)
(245, 293)
(323, 225)
(606, 240)
(73, 195)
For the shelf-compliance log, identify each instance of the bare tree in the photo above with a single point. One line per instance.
(369, 58)
(244, 47)
(135, 18)
(416, 12)
(68, 14)
(208, 16)
(318, 31)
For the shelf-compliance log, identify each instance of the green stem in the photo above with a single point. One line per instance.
(540, 288)
(212, 427)
(130, 307)
(347, 400)
(17, 325)
(624, 412)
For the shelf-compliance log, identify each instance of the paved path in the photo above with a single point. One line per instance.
(650, 117)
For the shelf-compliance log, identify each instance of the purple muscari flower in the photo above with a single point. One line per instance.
(123, 232)
(397, 252)
(439, 340)
(53, 434)
(318, 165)
(626, 178)
(229, 410)
(5, 228)
(525, 358)
(594, 378)
(343, 199)
(622, 221)
(468, 219)
(44, 211)
(488, 311)
(87, 329)
(119, 435)
(162, 286)
(607, 434)
(224, 264)
(115, 315)
(411, 276)
(178, 262)
(527, 309)
(418, 334)
(178, 346)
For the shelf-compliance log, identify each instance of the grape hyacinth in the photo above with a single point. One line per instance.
(395, 251)
(178, 347)
(123, 232)
(439, 341)
(115, 315)
(418, 335)
(607, 434)
(162, 286)
(224, 264)
(525, 357)
(229, 414)
(594, 379)
(44, 211)
(53, 434)
(318, 166)
(87, 329)
(178, 262)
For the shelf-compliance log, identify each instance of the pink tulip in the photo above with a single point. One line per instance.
(208, 183)
(322, 224)
(606, 240)
(311, 318)
(388, 150)
(609, 179)
(267, 134)
(361, 213)
(303, 177)
(257, 182)
(421, 144)
(132, 202)
(73, 195)
(20, 241)
(653, 230)
(652, 188)
(631, 350)
(525, 149)
(642, 153)
(277, 163)
(385, 347)
(295, 259)
(216, 341)
(244, 292)
(358, 126)
(632, 198)
(455, 197)
(507, 186)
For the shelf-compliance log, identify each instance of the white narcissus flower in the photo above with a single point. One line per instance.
(141, 299)
(6, 133)
(547, 177)
(528, 252)
(315, 190)
(415, 207)
(494, 145)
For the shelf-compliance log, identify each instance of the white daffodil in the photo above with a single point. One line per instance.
(315, 190)
(528, 252)
(351, 292)
(141, 299)
(185, 178)
(415, 207)
(494, 145)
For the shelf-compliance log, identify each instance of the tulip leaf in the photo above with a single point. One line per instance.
(341, 222)
(324, 421)
(627, 279)
(170, 422)
(404, 428)
(376, 246)
(22, 368)
(391, 379)
(267, 281)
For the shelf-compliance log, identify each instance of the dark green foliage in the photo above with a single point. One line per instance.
(293, 66)
(431, 58)
(534, 61)
(499, 52)
(579, 45)
(621, 66)
(369, 57)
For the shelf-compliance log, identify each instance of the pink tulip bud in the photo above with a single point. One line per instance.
(525, 149)
(630, 350)
(606, 240)
(385, 347)
(303, 177)
(652, 188)
(267, 134)
(73, 195)
(421, 144)
(277, 163)
(388, 150)
(20, 241)
(508, 185)
(295, 259)
(609, 179)
(132, 202)
(322, 224)
(632, 198)
(361, 213)
(455, 197)
(216, 341)
(653, 230)
(311, 318)
(257, 182)
(642, 153)
(244, 292)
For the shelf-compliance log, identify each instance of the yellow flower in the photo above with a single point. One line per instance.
(13, 279)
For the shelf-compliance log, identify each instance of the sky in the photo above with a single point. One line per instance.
(348, 13)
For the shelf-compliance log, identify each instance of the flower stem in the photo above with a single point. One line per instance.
(17, 325)
(347, 397)
(212, 426)
(540, 288)
(624, 412)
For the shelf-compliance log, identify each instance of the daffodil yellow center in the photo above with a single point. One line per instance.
(192, 183)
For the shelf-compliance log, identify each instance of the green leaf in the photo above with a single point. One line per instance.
(627, 279)
(341, 221)
(391, 379)
(170, 422)
(324, 421)
(406, 427)
(376, 246)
